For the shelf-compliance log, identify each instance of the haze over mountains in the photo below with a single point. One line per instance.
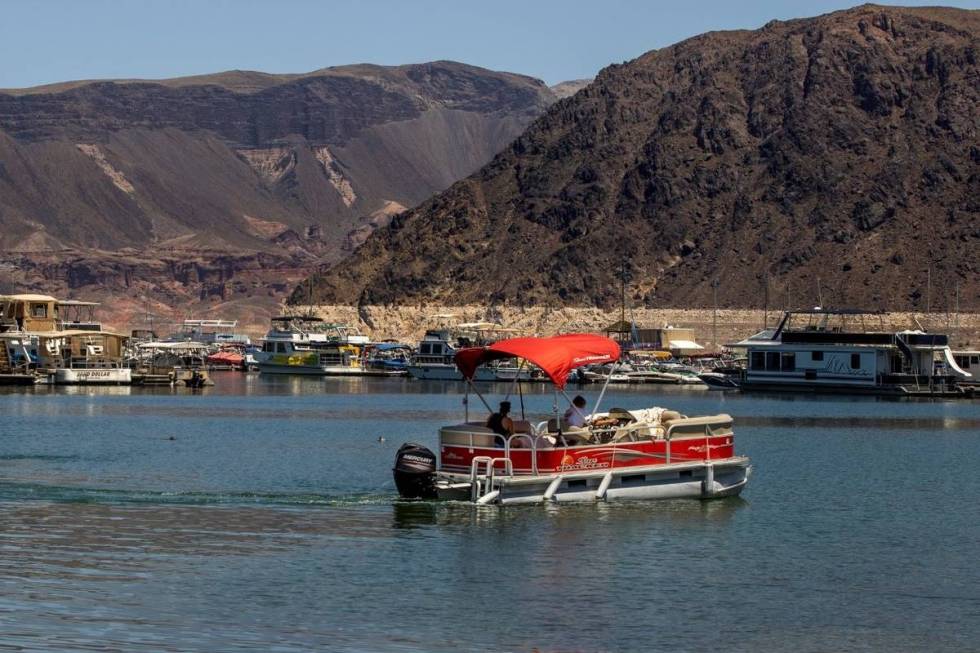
(229, 187)
(835, 158)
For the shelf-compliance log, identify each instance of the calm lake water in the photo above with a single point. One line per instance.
(260, 515)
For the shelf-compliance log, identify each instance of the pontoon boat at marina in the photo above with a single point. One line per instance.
(647, 453)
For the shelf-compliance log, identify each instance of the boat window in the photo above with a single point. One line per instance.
(772, 361)
(758, 360)
(855, 361)
(425, 349)
(281, 347)
(974, 360)
(39, 310)
(789, 362)
(816, 355)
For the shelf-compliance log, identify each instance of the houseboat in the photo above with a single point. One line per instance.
(968, 362)
(620, 454)
(824, 350)
(61, 341)
(308, 345)
(80, 357)
(434, 357)
(28, 313)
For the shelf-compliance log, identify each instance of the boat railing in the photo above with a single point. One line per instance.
(532, 439)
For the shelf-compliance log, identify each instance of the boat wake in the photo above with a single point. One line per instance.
(25, 491)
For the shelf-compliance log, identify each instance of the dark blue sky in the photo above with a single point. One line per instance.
(56, 40)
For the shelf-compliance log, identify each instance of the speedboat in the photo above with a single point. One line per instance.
(719, 381)
(647, 453)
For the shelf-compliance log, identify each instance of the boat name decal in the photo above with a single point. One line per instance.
(585, 462)
(591, 357)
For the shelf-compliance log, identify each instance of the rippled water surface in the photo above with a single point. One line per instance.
(260, 515)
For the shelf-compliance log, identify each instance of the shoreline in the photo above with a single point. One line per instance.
(408, 323)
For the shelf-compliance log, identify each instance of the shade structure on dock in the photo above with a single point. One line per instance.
(556, 356)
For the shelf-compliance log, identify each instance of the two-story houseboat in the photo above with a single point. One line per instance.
(823, 350)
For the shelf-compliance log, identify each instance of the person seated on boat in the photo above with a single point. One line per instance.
(500, 423)
(575, 415)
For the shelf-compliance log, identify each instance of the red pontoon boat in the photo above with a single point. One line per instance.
(650, 453)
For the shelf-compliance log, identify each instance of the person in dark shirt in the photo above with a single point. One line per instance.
(500, 423)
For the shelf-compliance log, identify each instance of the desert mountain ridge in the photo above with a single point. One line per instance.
(220, 192)
(829, 160)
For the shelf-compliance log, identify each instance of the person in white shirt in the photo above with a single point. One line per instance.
(575, 415)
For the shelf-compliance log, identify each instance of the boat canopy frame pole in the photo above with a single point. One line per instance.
(470, 382)
(602, 393)
(517, 377)
(520, 391)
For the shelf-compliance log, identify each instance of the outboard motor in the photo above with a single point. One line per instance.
(415, 472)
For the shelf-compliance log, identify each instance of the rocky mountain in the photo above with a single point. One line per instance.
(563, 90)
(103, 183)
(833, 159)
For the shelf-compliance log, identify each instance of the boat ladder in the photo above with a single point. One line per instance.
(482, 486)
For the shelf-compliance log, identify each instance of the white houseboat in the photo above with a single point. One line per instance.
(969, 362)
(433, 360)
(823, 350)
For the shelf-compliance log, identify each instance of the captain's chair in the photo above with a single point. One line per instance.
(572, 435)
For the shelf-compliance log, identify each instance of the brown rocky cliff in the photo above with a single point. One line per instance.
(835, 157)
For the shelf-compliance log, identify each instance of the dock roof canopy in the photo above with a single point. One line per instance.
(556, 356)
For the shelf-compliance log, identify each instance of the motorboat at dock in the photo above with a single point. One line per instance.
(300, 344)
(649, 453)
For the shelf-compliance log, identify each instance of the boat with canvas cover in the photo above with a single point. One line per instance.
(649, 453)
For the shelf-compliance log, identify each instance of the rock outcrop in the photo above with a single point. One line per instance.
(829, 160)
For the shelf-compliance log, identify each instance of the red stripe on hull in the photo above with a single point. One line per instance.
(597, 456)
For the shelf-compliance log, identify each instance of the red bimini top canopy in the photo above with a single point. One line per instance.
(557, 356)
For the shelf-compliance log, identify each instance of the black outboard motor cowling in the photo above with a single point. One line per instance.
(415, 472)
